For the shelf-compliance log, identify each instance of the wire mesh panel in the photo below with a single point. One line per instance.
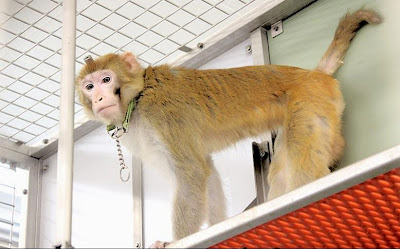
(364, 216)
(30, 53)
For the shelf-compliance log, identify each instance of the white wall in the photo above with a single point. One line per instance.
(102, 204)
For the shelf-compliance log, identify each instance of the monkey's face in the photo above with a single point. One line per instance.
(107, 85)
(103, 91)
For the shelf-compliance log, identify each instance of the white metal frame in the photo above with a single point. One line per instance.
(259, 47)
(34, 190)
(137, 193)
(33, 210)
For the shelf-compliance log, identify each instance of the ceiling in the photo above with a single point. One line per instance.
(30, 52)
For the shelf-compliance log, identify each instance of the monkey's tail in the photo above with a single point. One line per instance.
(345, 32)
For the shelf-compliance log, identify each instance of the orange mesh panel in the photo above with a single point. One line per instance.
(364, 216)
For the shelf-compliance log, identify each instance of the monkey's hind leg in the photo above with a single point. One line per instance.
(278, 169)
(305, 148)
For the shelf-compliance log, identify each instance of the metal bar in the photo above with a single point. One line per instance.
(261, 157)
(258, 176)
(6, 222)
(6, 241)
(259, 47)
(29, 237)
(7, 186)
(51, 148)
(13, 206)
(137, 202)
(6, 204)
(16, 152)
(66, 141)
(261, 152)
(331, 184)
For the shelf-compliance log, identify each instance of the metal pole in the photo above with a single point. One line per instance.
(137, 202)
(66, 140)
(259, 47)
(14, 168)
(260, 52)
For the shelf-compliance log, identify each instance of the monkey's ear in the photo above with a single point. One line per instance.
(130, 61)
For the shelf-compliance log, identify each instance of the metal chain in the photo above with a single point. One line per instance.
(118, 132)
(122, 163)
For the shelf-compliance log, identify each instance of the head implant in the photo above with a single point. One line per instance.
(90, 66)
(88, 59)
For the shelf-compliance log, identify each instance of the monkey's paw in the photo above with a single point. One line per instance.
(159, 244)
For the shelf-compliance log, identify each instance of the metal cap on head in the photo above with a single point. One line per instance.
(88, 59)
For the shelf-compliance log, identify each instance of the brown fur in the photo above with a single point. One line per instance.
(196, 112)
(345, 32)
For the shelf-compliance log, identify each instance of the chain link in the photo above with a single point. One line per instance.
(116, 134)
(122, 163)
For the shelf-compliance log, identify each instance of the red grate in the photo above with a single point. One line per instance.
(364, 216)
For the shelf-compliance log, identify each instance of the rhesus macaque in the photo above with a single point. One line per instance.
(185, 114)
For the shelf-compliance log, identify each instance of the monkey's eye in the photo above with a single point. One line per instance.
(106, 79)
(89, 86)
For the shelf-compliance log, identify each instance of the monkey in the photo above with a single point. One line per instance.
(185, 114)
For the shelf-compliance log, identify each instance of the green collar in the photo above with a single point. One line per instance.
(128, 115)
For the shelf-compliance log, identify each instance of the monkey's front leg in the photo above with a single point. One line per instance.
(190, 201)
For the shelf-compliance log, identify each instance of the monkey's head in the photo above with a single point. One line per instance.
(106, 86)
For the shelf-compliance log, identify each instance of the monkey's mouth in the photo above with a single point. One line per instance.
(104, 108)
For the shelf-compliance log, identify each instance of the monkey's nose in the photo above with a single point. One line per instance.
(100, 99)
